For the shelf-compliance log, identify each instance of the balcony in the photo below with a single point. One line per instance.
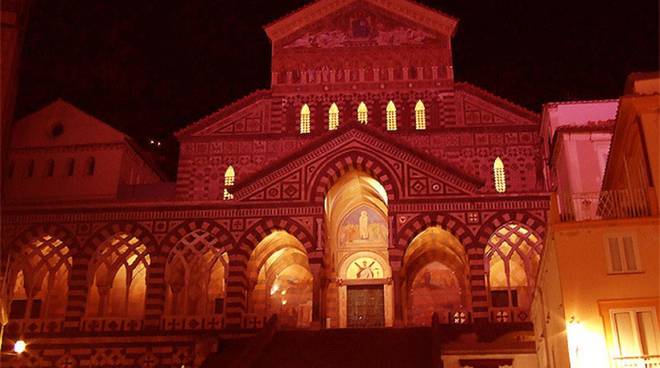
(646, 361)
(610, 204)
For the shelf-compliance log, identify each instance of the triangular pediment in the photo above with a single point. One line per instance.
(482, 108)
(404, 172)
(339, 11)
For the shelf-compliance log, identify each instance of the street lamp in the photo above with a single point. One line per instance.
(19, 346)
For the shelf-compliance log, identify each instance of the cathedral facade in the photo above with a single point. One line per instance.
(364, 189)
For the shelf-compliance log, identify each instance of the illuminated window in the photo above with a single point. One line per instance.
(230, 177)
(622, 254)
(498, 175)
(635, 332)
(420, 116)
(195, 275)
(304, 119)
(50, 168)
(70, 167)
(362, 113)
(91, 166)
(118, 272)
(391, 116)
(333, 117)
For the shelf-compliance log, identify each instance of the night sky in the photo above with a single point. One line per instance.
(151, 67)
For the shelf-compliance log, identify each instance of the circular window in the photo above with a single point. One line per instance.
(57, 130)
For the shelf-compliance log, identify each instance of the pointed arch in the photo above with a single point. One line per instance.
(420, 115)
(230, 179)
(304, 119)
(499, 177)
(333, 117)
(362, 113)
(391, 116)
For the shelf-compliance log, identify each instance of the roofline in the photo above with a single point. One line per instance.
(487, 95)
(576, 102)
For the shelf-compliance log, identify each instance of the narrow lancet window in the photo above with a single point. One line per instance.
(71, 167)
(50, 168)
(230, 177)
(91, 166)
(391, 116)
(499, 176)
(362, 113)
(420, 116)
(333, 117)
(304, 119)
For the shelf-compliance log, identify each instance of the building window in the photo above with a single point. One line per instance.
(420, 116)
(499, 176)
(333, 117)
(30, 169)
(362, 113)
(635, 332)
(622, 254)
(230, 177)
(391, 116)
(50, 168)
(91, 166)
(70, 167)
(304, 119)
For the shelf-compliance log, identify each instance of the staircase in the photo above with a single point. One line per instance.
(376, 347)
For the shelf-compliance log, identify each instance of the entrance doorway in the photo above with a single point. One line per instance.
(365, 306)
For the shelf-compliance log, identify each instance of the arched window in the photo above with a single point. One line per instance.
(333, 117)
(511, 257)
(498, 176)
(41, 277)
(230, 177)
(70, 167)
(30, 169)
(391, 116)
(195, 274)
(118, 278)
(50, 168)
(362, 113)
(91, 166)
(420, 116)
(304, 119)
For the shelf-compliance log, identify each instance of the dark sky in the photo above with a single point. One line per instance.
(150, 67)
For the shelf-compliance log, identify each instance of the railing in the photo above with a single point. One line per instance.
(611, 204)
(646, 361)
(20, 326)
(110, 324)
(507, 314)
(207, 322)
(253, 320)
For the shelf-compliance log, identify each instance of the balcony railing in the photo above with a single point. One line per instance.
(41, 325)
(111, 324)
(507, 314)
(646, 361)
(206, 322)
(611, 204)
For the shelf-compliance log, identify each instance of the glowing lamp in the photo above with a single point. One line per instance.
(19, 346)
(274, 289)
(283, 302)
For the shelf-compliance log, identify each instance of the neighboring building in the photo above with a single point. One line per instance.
(60, 154)
(598, 292)
(365, 188)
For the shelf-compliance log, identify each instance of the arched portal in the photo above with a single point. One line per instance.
(280, 280)
(435, 271)
(356, 252)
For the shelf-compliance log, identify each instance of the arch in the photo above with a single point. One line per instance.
(326, 176)
(420, 115)
(350, 258)
(118, 274)
(499, 176)
(261, 229)
(362, 113)
(40, 272)
(225, 239)
(500, 218)
(304, 119)
(421, 222)
(333, 117)
(391, 116)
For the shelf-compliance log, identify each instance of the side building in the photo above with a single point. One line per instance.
(598, 294)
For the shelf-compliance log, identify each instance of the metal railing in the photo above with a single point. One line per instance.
(645, 361)
(202, 322)
(610, 204)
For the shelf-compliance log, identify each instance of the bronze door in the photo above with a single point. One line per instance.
(365, 306)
